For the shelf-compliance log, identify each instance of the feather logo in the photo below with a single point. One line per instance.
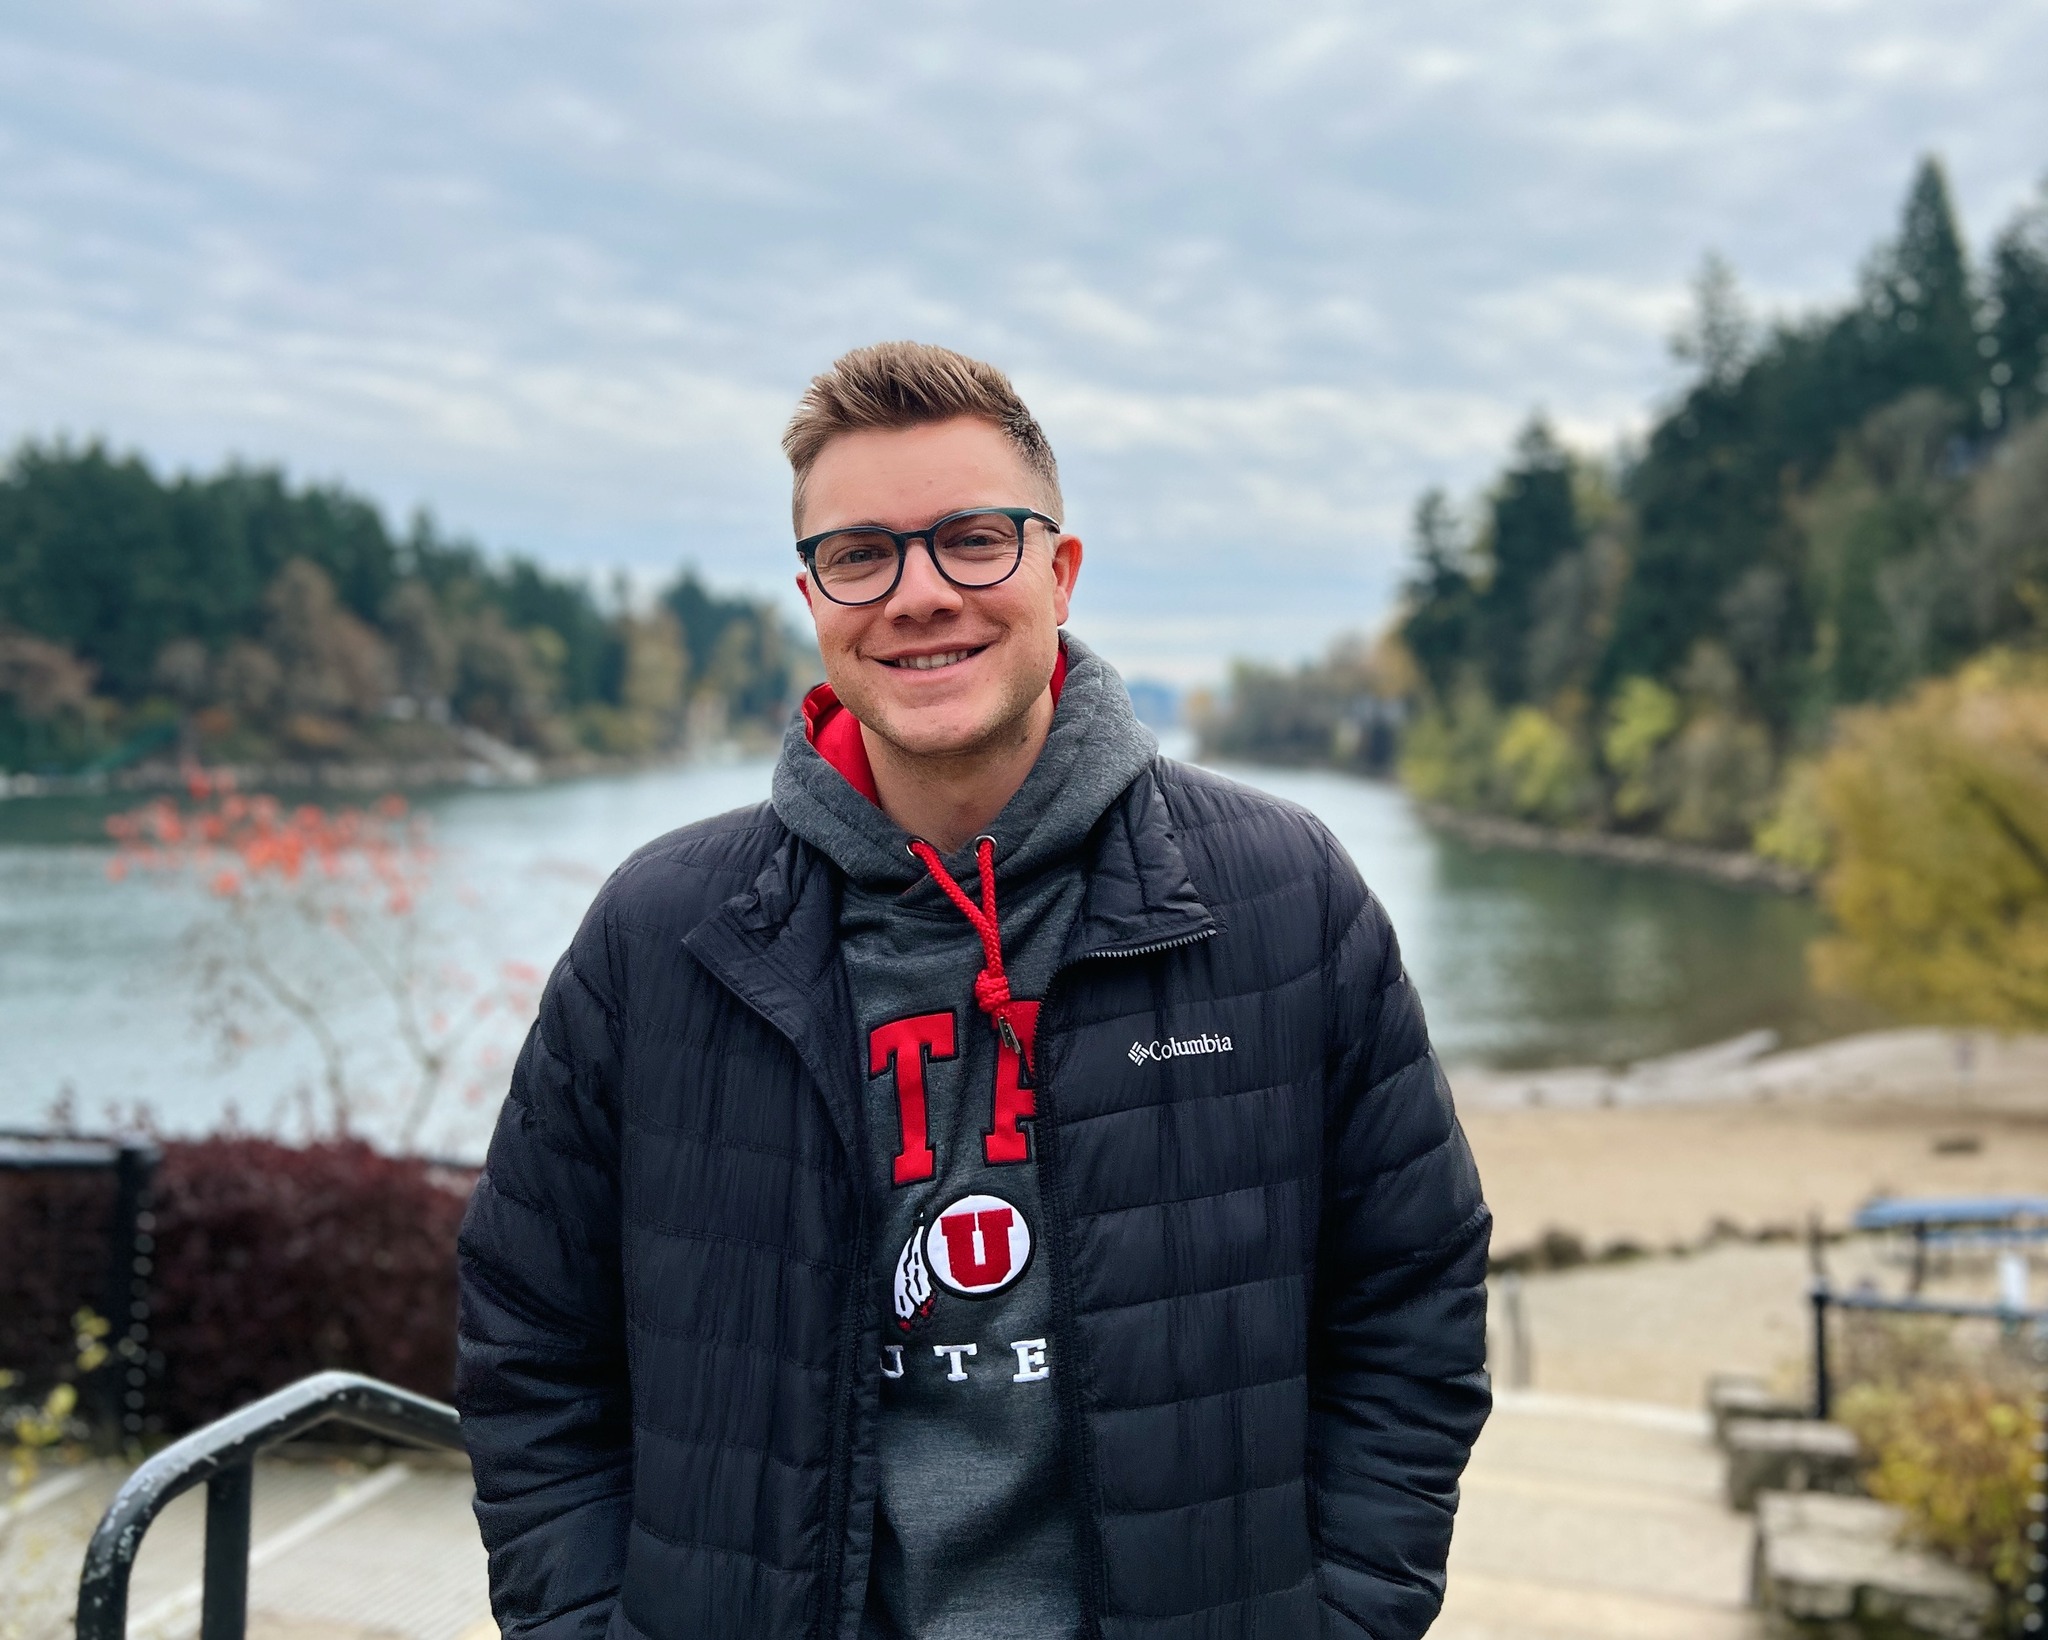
(913, 1285)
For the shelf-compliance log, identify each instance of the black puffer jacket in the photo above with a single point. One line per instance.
(1267, 1263)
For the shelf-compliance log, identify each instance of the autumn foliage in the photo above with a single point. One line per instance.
(320, 917)
(237, 842)
(1938, 810)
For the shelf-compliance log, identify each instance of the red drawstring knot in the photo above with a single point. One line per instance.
(992, 992)
(991, 985)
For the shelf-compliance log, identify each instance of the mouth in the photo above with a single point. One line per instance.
(933, 662)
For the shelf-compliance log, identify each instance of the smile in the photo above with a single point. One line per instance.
(931, 663)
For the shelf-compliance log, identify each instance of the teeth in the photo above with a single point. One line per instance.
(929, 663)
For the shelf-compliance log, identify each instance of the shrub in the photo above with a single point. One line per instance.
(1948, 1436)
(271, 1261)
(1956, 1454)
(274, 1261)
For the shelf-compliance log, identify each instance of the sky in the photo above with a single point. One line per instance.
(558, 273)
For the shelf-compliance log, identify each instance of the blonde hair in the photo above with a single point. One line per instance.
(910, 384)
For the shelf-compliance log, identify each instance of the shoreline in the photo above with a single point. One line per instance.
(496, 766)
(1731, 867)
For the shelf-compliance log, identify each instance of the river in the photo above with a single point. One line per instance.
(1521, 959)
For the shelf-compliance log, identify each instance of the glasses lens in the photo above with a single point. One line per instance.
(854, 565)
(979, 549)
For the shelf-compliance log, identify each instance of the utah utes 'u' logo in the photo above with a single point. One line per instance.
(907, 1046)
(978, 1246)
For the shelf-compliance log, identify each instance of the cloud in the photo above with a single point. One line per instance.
(1267, 273)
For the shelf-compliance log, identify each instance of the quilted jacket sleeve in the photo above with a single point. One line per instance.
(1398, 1387)
(541, 1369)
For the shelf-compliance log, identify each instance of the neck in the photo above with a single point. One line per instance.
(949, 801)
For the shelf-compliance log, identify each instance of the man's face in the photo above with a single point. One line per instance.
(996, 645)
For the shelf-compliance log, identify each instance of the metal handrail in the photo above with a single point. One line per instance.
(1824, 1298)
(223, 1455)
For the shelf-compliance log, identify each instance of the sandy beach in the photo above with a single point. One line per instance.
(1659, 1154)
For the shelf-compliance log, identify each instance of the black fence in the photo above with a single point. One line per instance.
(99, 1187)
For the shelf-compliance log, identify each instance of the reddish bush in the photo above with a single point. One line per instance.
(274, 1261)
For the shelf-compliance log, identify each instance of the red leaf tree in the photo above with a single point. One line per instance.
(316, 911)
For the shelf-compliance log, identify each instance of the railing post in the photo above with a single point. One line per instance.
(1821, 1397)
(1521, 1363)
(125, 1299)
(224, 1608)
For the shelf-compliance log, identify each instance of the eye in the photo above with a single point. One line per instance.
(847, 554)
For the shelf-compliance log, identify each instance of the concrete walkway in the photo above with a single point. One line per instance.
(1582, 1520)
(1588, 1519)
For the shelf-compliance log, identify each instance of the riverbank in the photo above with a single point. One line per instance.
(1730, 866)
(476, 760)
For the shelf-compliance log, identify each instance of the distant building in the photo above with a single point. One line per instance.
(1157, 704)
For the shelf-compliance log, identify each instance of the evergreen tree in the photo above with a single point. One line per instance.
(1917, 302)
(1534, 524)
(2018, 315)
(1438, 628)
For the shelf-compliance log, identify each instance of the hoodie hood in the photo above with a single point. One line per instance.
(824, 788)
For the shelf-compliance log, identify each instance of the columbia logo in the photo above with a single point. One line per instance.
(1176, 1047)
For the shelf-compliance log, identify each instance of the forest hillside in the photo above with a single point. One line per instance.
(1835, 508)
(237, 619)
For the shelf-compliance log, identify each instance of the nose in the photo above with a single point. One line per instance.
(923, 593)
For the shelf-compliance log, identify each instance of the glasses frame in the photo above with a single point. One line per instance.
(807, 549)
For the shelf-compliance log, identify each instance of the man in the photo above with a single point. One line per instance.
(999, 1187)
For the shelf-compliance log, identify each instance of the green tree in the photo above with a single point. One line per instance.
(1917, 301)
(1533, 525)
(1541, 769)
(2015, 335)
(1641, 720)
(1889, 563)
(1439, 594)
(1719, 337)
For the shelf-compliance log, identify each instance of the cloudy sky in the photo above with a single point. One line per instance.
(558, 272)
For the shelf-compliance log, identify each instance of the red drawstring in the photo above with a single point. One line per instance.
(991, 985)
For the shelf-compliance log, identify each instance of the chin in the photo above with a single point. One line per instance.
(934, 734)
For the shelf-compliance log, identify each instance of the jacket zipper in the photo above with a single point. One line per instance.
(839, 1483)
(1080, 1452)
(1156, 946)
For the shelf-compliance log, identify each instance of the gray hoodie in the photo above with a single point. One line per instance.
(974, 1536)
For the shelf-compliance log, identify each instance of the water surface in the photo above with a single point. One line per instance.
(1522, 959)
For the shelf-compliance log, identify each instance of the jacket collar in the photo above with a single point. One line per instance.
(1140, 894)
(776, 944)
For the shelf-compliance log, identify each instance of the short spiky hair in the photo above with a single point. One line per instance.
(908, 384)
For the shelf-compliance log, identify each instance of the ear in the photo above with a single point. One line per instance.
(1066, 570)
(803, 585)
